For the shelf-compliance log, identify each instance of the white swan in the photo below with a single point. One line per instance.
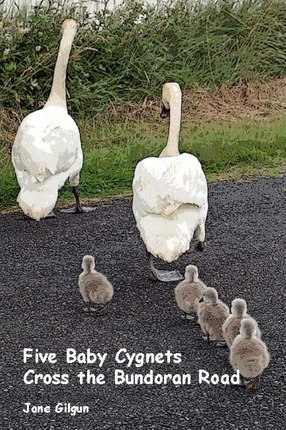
(170, 195)
(47, 148)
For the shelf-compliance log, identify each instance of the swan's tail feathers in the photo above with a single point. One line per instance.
(168, 238)
(37, 200)
(164, 239)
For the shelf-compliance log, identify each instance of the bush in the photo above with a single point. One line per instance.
(126, 54)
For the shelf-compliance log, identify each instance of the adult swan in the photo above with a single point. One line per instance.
(47, 148)
(170, 195)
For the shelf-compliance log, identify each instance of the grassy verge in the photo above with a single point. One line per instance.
(225, 149)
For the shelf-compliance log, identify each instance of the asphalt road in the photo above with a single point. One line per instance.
(40, 308)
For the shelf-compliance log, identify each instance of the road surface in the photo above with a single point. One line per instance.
(40, 309)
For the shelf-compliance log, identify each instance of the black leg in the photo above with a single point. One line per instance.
(76, 193)
(86, 308)
(206, 337)
(258, 381)
(201, 246)
(104, 310)
(78, 209)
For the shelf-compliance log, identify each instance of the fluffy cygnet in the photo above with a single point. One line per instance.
(212, 313)
(231, 326)
(249, 354)
(94, 287)
(189, 292)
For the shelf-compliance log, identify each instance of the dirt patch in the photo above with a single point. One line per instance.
(9, 123)
(255, 101)
(252, 100)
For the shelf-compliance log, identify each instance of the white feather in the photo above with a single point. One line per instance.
(46, 152)
(169, 203)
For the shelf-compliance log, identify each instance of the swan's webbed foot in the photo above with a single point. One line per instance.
(86, 307)
(78, 209)
(51, 215)
(207, 338)
(165, 276)
(186, 316)
(190, 317)
(104, 311)
(221, 344)
(152, 277)
(89, 308)
(92, 309)
(253, 384)
(162, 275)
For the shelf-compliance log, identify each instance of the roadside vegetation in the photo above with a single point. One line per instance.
(229, 58)
(225, 149)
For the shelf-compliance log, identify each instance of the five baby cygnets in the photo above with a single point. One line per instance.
(240, 332)
(94, 287)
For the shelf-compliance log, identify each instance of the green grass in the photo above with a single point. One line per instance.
(112, 151)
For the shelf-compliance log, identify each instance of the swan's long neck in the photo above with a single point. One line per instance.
(172, 147)
(57, 96)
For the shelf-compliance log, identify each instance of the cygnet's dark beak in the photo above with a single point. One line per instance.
(202, 299)
(165, 112)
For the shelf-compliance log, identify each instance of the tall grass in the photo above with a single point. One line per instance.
(127, 53)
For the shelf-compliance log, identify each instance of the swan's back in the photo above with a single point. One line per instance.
(47, 143)
(163, 184)
(169, 203)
